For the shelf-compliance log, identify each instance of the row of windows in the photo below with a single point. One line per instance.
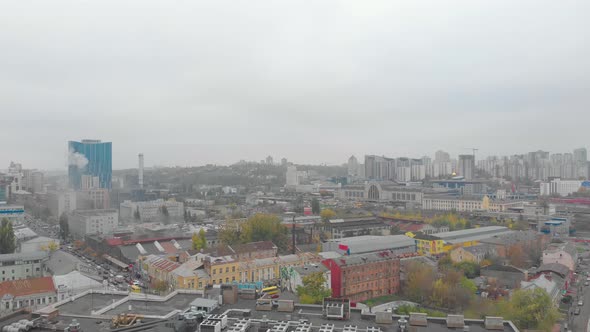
(233, 269)
(221, 281)
(31, 302)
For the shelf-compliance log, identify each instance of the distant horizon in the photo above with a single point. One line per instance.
(277, 160)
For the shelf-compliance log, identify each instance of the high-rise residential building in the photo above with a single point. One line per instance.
(353, 167)
(284, 162)
(92, 158)
(466, 167)
(269, 160)
(380, 168)
(292, 179)
(580, 155)
(442, 156)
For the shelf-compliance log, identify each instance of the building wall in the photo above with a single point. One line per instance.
(459, 255)
(151, 210)
(225, 271)
(365, 281)
(429, 247)
(91, 222)
(33, 301)
(22, 269)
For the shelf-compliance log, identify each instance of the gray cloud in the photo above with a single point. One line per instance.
(193, 82)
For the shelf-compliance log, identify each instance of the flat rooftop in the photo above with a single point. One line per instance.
(365, 322)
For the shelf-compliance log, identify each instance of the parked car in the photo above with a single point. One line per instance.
(577, 311)
(580, 303)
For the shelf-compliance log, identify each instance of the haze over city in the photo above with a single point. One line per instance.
(217, 82)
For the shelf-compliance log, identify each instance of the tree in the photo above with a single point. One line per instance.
(7, 239)
(136, 214)
(315, 206)
(419, 281)
(470, 269)
(160, 286)
(64, 227)
(198, 241)
(50, 247)
(327, 214)
(164, 210)
(530, 309)
(265, 227)
(314, 289)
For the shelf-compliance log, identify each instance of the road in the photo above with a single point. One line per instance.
(580, 322)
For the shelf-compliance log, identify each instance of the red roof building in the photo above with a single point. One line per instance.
(35, 292)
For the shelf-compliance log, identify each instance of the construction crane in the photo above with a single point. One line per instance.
(474, 151)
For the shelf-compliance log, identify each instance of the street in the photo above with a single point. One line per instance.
(580, 322)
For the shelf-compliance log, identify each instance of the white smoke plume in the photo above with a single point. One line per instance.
(76, 159)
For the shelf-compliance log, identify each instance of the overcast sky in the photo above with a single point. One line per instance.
(196, 82)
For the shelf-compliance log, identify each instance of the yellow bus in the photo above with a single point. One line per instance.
(270, 290)
(135, 289)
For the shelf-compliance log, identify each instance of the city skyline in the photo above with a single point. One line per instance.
(198, 84)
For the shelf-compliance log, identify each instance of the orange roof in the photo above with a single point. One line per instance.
(27, 286)
(169, 247)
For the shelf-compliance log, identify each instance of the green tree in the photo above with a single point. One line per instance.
(313, 290)
(265, 227)
(7, 239)
(198, 242)
(530, 309)
(64, 227)
(202, 238)
(327, 214)
(315, 206)
(470, 269)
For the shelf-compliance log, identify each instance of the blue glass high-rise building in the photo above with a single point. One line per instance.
(90, 157)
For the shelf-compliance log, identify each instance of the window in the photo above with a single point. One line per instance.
(233, 278)
(37, 269)
(233, 269)
(27, 270)
(226, 280)
(213, 271)
(221, 281)
(226, 269)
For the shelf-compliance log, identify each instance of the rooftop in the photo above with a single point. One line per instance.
(90, 213)
(23, 256)
(362, 259)
(27, 287)
(557, 268)
(472, 234)
(511, 238)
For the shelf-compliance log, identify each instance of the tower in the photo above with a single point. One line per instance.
(140, 171)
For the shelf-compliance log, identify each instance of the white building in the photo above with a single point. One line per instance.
(467, 166)
(292, 179)
(151, 210)
(90, 222)
(299, 272)
(560, 187)
(22, 265)
(61, 202)
(73, 283)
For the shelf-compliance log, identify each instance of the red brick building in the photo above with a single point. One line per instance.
(365, 276)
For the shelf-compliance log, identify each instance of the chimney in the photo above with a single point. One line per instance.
(140, 172)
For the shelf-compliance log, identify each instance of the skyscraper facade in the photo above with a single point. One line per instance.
(92, 158)
(467, 166)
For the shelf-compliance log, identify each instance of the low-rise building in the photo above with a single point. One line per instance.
(92, 222)
(474, 254)
(550, 283)
(505, 275)
(397, 244)
(273, 269)
(150, 211)
(157, 269)
(466, 204)
(503, 242)
(221, 269)
(300, 272)
(23, 265)
(190, 275)
(73, 283)
(40, 243)
(470, 237)
(34, 293)
(365, 276)
(350, 227)
(427, 244)
(381, 192)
